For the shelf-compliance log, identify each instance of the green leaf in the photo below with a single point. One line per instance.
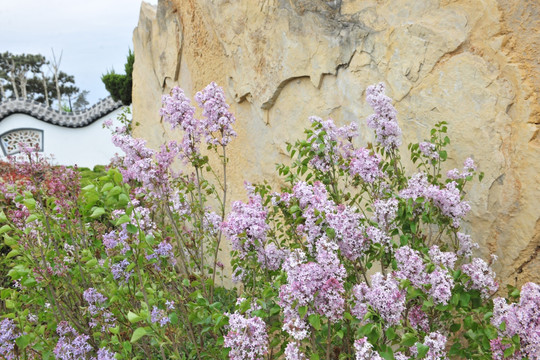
(132, 229)
(422, 350)
(30, 203)
(508, 352)
(10, 304)
(23, 341)
(97, 212)
(123, 219)
(315, 321)
(315, 357)
(390, 333)
(302, 310)
(12, 253)
(4, 229)
(139, 333)
(409, 339)
(31, 218)
(133, 318)
(331, 233)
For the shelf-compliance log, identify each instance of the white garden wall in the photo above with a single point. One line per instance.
(84, 146)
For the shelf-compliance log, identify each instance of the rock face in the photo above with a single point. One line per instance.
(474, 64)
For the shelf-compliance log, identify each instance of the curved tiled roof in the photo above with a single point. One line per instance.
(55, 117)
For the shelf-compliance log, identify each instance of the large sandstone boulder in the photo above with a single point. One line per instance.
(474, 64)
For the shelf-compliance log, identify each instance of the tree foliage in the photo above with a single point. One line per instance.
(119, 86)
(26, 76)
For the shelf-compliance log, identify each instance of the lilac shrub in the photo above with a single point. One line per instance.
(375, 262)
(352, 257)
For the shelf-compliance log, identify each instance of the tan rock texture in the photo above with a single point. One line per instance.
(474, 64)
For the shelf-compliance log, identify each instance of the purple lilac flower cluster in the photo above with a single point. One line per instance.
(418, 318)
(439, 283)
(465, 245)
(246, 226)
(96, 308)
(316, 285)
(119, 271)
(116, 241)
(436, 343)
(335, 145)
(365, 165)
(428, 150)
(71, 345)
(8, 334)
(163, 250)
(469, 167)
(159, 316)
(293, 352)
(447, 199)
(482, 277)
(384, 296)
(349, 234)
(246, 336)
(522, 318)
(364, 350)
(217, 117)
(178, 111)
(384, 120)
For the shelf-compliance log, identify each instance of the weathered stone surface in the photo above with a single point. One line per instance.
(474, 64)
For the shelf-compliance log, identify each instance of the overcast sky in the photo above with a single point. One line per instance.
(94, 35)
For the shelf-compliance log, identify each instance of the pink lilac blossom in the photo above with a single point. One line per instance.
(313, 202)
(384, 120)
(384, 296)
(178, 111)
(246, 225)
(418, 319)
(365, 165)
(442, 258)
(498, 348)
(217, 117)
(292, 352)
(400, 356)
(411, 266)
(447, 199)
(436, 343)
(522, 318)
(384, 213)
(442, 283)
(364, 350)
(271, 257)
(8, 334)
(316, 285)
(482, 277)
(378, 236)
(349, 234)
(159, 316)
(466, 246)
(336, 143)
(246, 336)
(428, 150)
(469, 168)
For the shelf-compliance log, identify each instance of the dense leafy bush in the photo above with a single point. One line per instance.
(352, 259)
